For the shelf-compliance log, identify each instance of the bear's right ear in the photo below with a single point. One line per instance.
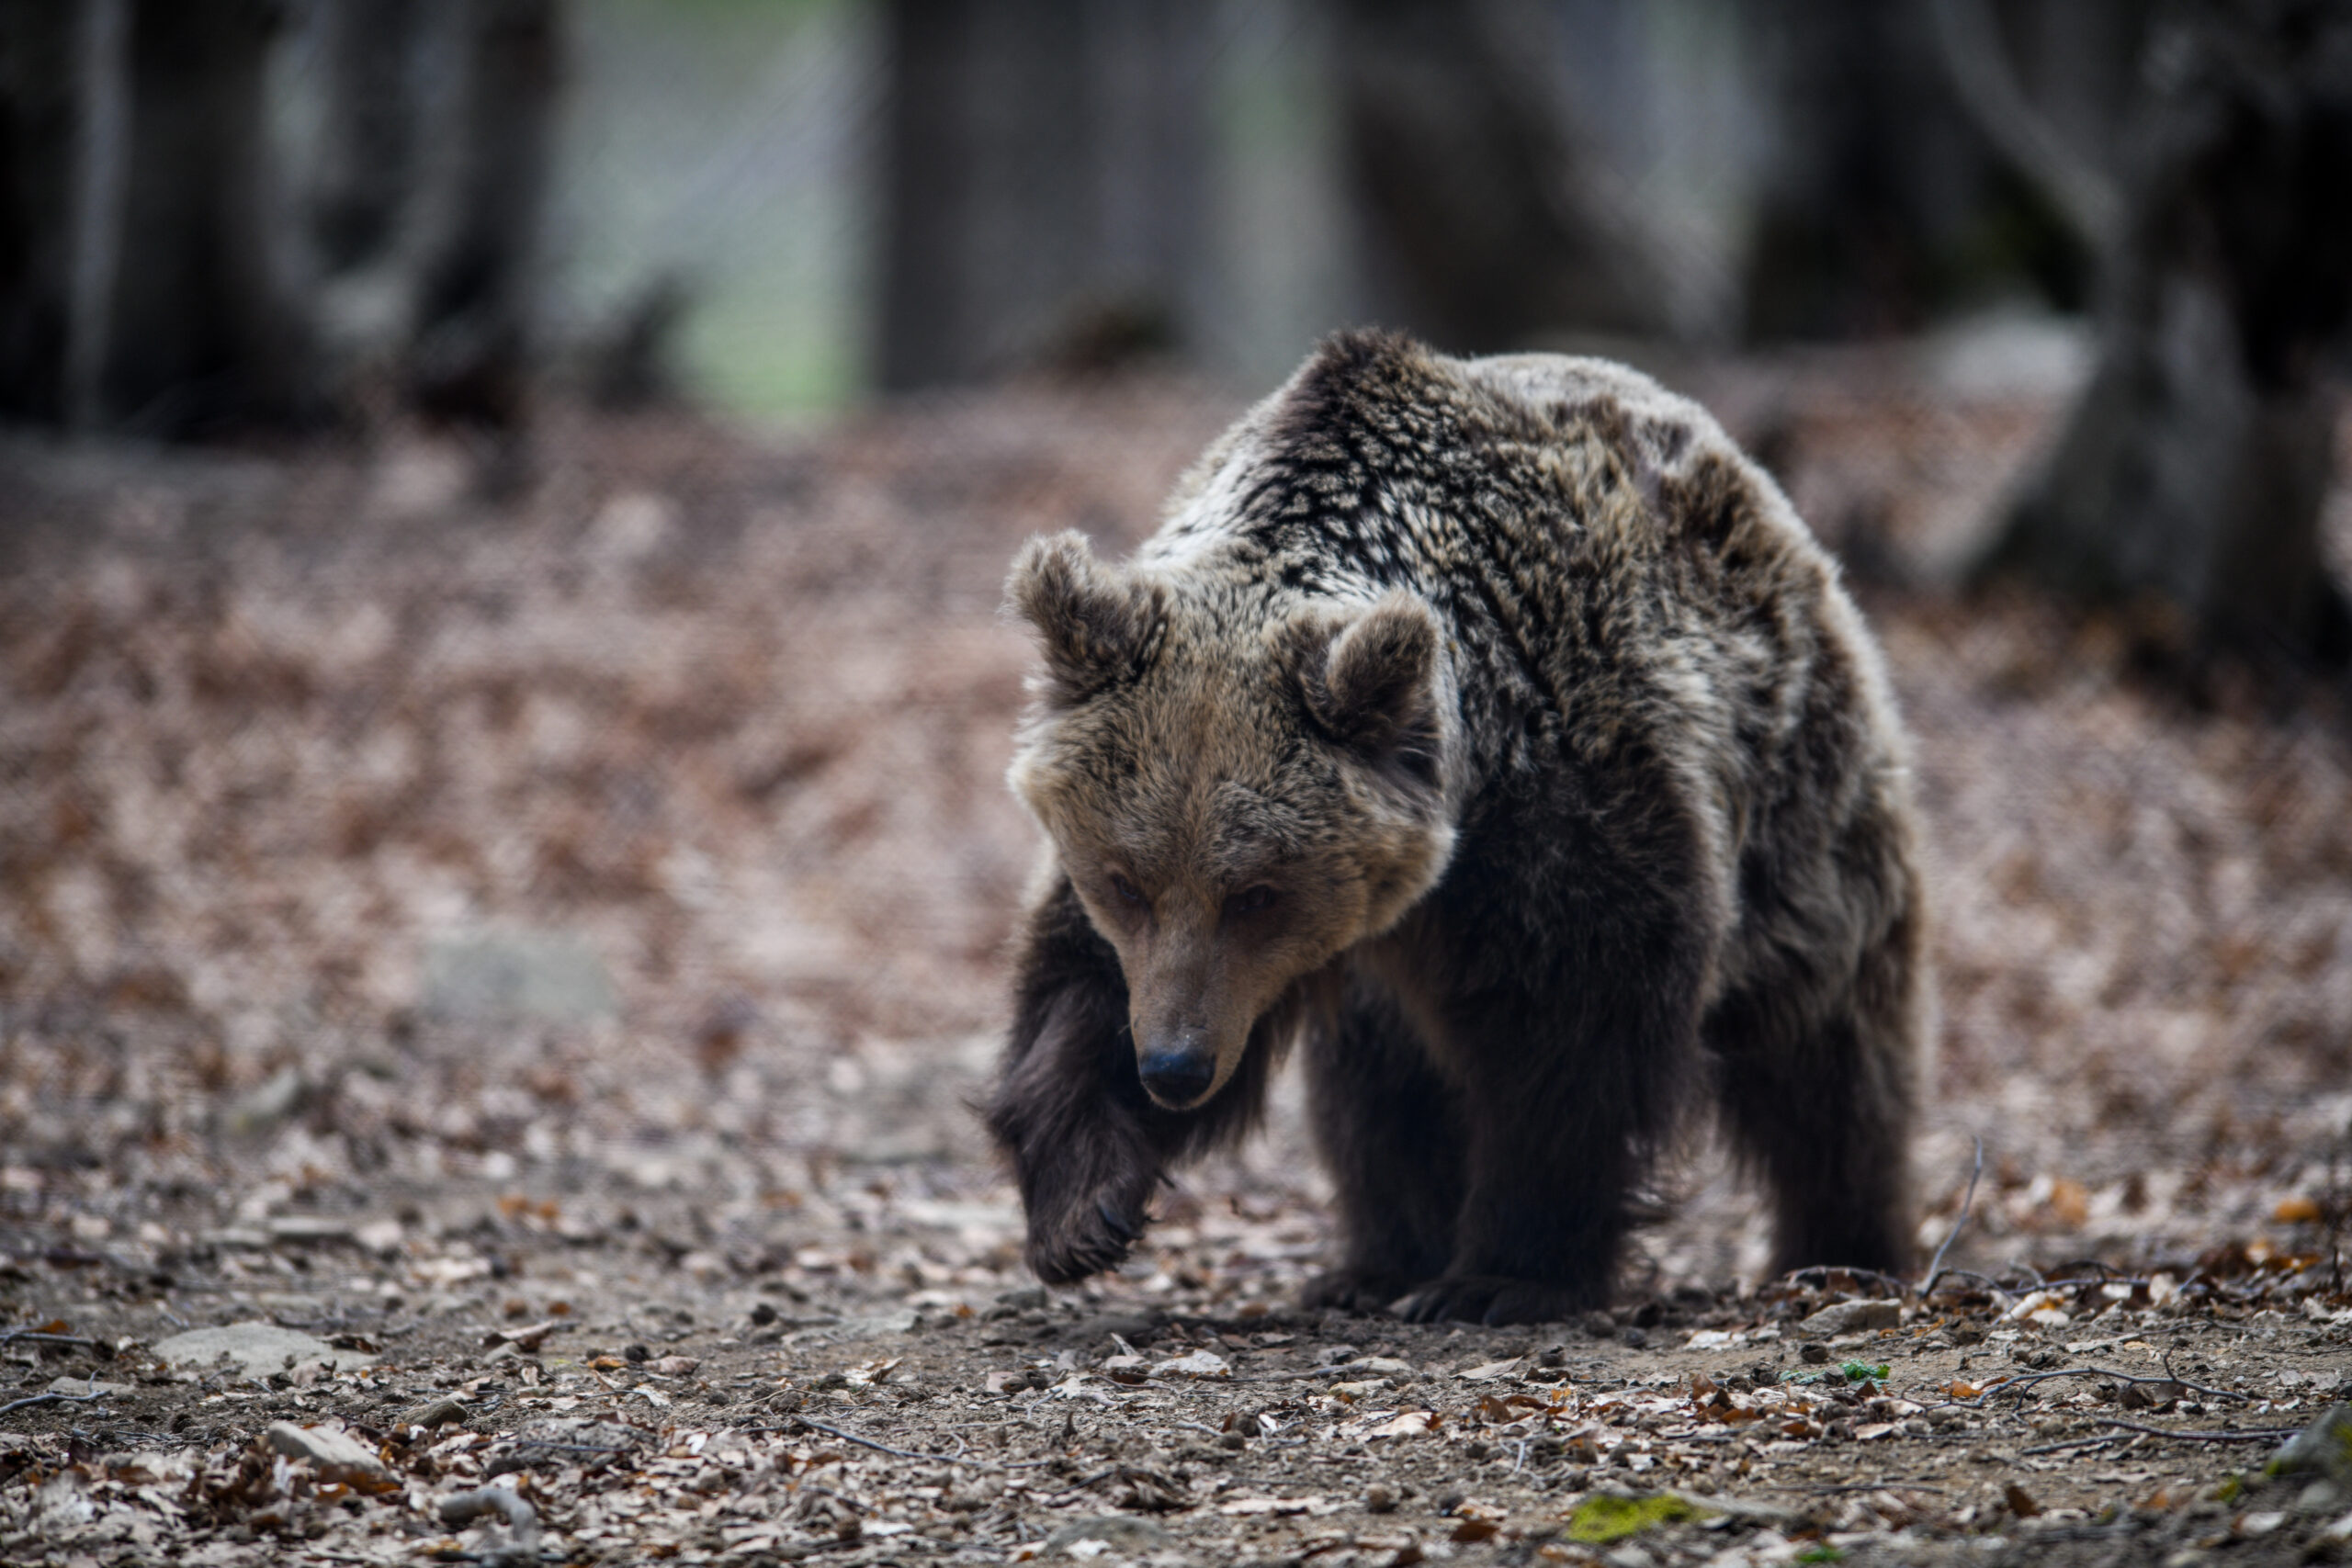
(1096, 627)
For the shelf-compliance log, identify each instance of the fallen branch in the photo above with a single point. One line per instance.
(38, 1337)
(2261, 1435)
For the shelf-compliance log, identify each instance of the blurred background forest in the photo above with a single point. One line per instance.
(503, 504)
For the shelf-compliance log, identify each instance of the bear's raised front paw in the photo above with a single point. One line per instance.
(1086, 1238)
(1495, 1300)
(1367, 1292)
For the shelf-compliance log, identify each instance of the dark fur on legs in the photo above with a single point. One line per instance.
(1390, 1130)
(1573, 1069)
(1821, 1110)
(1087, 1144)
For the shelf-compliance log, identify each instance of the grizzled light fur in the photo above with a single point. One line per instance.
(1496, 726)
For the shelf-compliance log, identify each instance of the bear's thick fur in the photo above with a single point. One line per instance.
(1495, 726)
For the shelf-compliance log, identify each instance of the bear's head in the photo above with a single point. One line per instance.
(1238, 795)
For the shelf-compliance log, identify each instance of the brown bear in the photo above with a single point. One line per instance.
(1496, 726)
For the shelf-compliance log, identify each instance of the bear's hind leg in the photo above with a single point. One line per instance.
(1390, 1133)
(1824, 1113)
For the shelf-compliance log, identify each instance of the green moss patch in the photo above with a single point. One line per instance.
(1611, 1517)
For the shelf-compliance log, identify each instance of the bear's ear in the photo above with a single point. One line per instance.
(1373, 688)
(1096, 625)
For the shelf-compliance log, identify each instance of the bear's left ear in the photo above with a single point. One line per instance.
(1372, 687)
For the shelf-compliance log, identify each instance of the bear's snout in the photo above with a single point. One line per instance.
(1178, 1072)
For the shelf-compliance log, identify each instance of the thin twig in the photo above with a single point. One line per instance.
(1967, 1202)
(1075, 1487)
(31, 1400)
(2262, 1435)
(2082, 1443)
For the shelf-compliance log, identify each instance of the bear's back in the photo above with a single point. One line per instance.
(1625, 592)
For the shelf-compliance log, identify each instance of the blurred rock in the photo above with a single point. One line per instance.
(504, 974)
(80, 1386)
(334, 1453)
(280, 1097)
(1851, 1317)
(435, 1412)
(2319, 1453)
(260, 1349)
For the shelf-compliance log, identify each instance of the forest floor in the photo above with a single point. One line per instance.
(518, 964)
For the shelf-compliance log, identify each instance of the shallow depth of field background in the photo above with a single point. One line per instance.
(504, 700)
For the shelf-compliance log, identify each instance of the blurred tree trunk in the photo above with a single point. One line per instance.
(39, 58)
(2194, 469)
(204, 328)
(1884, 202)
(1493, 219)
(170, 266)
(1044, 183)
(427, 191)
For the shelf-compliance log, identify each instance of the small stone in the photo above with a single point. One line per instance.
(1120, 1532)
(84, 1386)
(1817, 1354)
(636, 1353)
(1635, 1338)
(674, 1366)
(1851, 1317)
(309, 1230)
(1379, 1499)
(334, 1453)
(1199, 1364)
(435, 1412)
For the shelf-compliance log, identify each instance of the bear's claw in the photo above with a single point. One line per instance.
(1362, 1292)
(1091, 1240)
(1495, 1300)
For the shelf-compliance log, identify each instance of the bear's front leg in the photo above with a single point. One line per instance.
(1567, 1089)
(1070, 1107)
(1087, 1143)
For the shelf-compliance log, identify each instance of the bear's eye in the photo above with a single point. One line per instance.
(1128, 891)
(1250, 900)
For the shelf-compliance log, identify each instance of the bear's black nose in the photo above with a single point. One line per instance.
(1178, 1076)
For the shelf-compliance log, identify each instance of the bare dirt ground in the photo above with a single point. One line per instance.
(534, 953)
